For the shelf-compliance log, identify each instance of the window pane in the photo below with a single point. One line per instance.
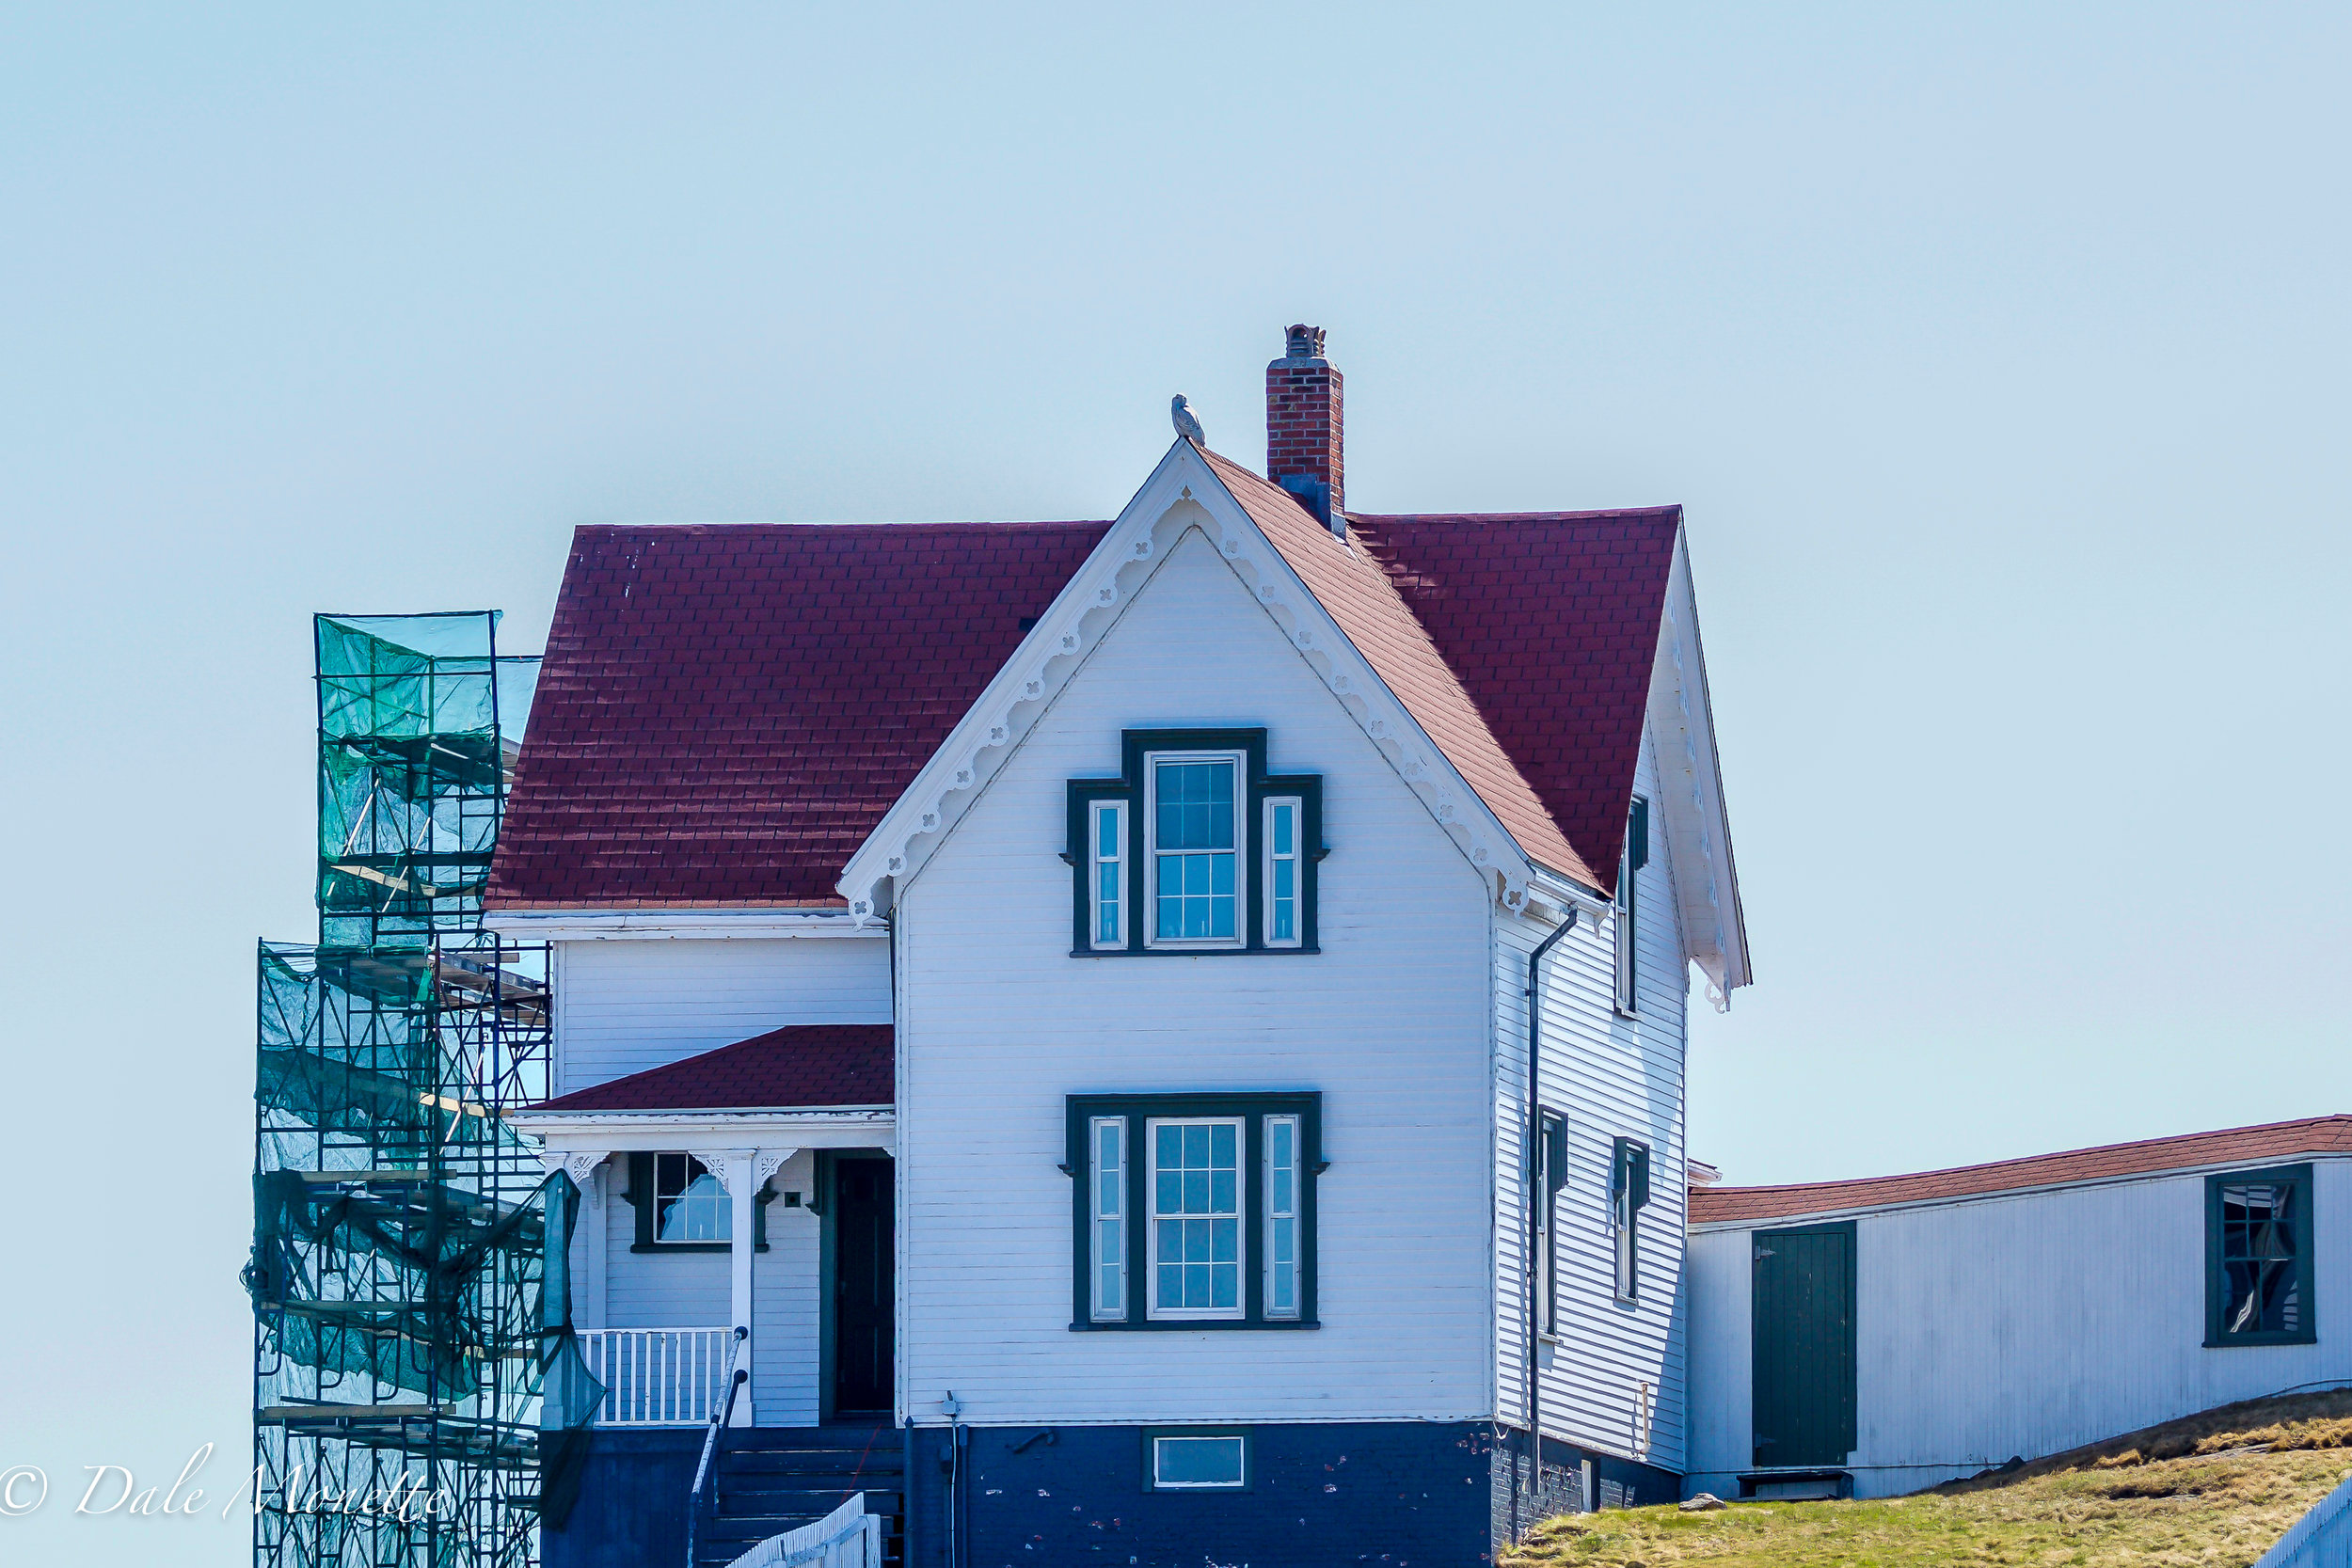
(1197, 1462)
(690, 1205)
(1194, 852)
(1110, 1224)
(1281, 1216)
(1196, 1219)
(1106, 832)
(2257, 1259)
(1285, 826)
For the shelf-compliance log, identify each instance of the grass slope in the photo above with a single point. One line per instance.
(2213, 1489)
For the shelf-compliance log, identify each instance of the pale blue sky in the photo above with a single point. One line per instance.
(1998, 354)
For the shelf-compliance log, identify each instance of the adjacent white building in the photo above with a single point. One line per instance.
(1886, 1335)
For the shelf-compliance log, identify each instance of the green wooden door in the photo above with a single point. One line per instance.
(1803, 1346)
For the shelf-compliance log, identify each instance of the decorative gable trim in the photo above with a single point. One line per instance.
(1690, 794)
(1182, 495)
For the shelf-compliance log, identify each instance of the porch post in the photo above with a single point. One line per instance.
(736, 1178)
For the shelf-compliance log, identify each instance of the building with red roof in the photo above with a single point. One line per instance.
(1050, 1004)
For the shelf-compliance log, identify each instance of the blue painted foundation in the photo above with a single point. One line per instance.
(1396, 1494)
(632, 1501)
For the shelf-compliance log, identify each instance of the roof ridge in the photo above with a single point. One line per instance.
(1495, 776)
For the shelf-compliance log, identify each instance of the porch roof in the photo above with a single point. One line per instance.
(802, 1066)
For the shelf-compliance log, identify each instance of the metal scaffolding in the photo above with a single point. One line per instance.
(414, 1376)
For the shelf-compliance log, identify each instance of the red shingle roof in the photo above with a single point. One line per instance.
(1357, 593)
(726, 711)
(799, 1067)
(1550, 622)
(2236, 1145)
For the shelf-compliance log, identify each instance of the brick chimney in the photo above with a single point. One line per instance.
(1303, 447)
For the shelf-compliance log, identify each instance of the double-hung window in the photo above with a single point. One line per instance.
(1281, 883)
(1550, 1173)
(1628, 922)
(681, 1206)
(2258, 1257)
(1196, 848)
(1195, 1210)
(1106, 837)
(1193, 803)
(1629, 1194)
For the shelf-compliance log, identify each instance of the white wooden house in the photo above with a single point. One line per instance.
(1877, 1337)
(1051, 1002)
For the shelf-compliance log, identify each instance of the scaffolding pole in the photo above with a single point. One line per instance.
(413, 1369)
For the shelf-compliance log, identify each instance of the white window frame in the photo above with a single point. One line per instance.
(1241, 1443)
(1149, 1262)
(1274, 1212)
(1149, 836)
(1116, 862)
(723, 1228)
(1269, 858)
(1106, 1197)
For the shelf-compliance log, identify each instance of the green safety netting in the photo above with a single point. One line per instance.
(412, 1313)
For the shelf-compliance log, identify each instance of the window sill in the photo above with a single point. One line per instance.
(1191, 951)
(691, 1246)
(2257, 1341)
(1213, 1325)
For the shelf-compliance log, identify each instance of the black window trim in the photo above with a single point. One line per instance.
(1627, 979)
(2216, 1277)
(640, 1197)
(1247, 851)
(1253, 1108)
(1248, 1460)
(1553, 1156)
(1629, 1194)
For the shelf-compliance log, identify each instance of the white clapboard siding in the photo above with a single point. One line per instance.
(1610, 1077)
(687, 1289)
(2023, 1324)
(625, 1005)
(1389, 1022)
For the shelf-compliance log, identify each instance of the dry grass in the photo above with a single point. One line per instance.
(2213, 1489)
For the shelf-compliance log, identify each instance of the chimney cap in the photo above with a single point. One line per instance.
(1303, 343)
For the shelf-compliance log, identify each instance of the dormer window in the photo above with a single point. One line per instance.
(1194, 848)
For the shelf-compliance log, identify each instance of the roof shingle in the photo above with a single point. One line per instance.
(801, 1067)
(726, 711)
(2235, 1146)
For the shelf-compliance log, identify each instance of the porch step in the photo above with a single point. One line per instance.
(772, 1480)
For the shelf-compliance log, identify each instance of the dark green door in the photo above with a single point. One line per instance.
(1804, 1345)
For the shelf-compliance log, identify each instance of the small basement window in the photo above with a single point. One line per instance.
(1196, 1461)
(2258, 1257)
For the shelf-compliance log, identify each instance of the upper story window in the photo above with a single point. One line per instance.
(1195, 1210)
(2258, 1257)
(1627, 923)
(1194, 848)
(1194, 804)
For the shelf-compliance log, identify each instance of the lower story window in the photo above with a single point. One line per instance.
(1196, 1461)
(688, 1203)
(1195, 1210)
(2258, 1257)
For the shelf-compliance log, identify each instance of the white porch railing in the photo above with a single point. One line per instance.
(656, 1376)
(848, 1537)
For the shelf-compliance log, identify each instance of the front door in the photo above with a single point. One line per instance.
(865, 1259)
(1803, 1346)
